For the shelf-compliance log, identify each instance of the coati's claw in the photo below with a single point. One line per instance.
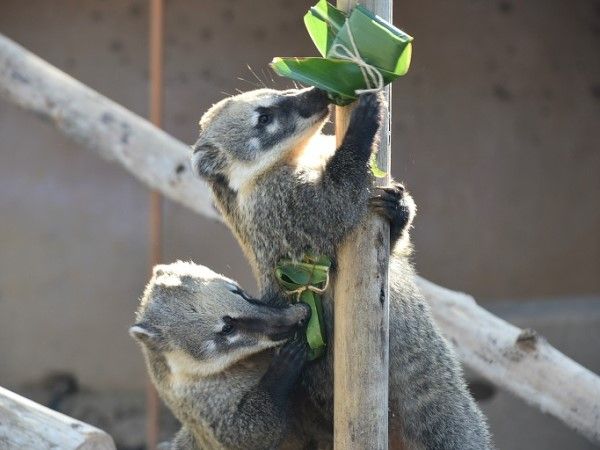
(396, 205)
(369, 107)
(292, 355)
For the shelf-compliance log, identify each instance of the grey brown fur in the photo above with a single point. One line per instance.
(279, 204)
(227, 388)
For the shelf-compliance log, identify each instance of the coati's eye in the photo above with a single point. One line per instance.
(264, 119)
(227, 325)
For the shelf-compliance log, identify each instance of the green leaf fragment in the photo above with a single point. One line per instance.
(375, 170)
(323, 21)
(315, 331)
(313, 271)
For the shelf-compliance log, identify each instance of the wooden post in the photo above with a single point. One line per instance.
(361, 309)
(25, 424)
(156, 58)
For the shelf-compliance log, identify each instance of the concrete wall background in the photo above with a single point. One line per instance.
(495, 132)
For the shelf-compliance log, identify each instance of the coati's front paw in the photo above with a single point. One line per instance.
(286, 366)
(368, 110)
(396, 205)
(365, 121)
(290, 359)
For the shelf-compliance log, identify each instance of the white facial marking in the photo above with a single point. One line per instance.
(232, 339)
(182, 365)
(219, 327)
(210, 347)
(272, 127)
(254, 144)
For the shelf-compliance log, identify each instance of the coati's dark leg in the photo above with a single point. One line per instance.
(396, 205)
(284, 371)
(354, 152)
(267, 401)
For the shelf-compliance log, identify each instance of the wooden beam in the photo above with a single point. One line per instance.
(361, 309)
(25, 424)
(519, 361)
(102, 126)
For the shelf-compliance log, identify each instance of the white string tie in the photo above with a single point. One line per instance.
(372, 76)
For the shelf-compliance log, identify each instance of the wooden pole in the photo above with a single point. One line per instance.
(156, 59)
(361, 309)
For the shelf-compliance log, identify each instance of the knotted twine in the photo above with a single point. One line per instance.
(305, 281)
(372, 76)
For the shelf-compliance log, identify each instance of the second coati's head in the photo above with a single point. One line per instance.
(202, 323)
(244, 135)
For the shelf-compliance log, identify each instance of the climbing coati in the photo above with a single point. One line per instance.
(284, 190)
(206, 345)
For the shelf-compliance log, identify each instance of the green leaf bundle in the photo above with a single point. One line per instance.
(378, 43)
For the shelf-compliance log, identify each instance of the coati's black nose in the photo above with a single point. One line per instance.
(307, 313)
(312, 102)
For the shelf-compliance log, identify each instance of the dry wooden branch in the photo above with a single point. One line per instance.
(542, 376)
(101, 125)
(518, 360)
(25, 424)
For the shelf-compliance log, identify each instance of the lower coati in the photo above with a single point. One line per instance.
(207, 348)
(284, 190)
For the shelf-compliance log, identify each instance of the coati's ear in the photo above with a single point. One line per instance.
(207, 160)
(144, 333)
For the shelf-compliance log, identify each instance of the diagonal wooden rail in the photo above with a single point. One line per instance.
(25, 424)
(539, 374)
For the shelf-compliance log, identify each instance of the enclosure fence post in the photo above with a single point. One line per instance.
(155, 58)
(361, 308)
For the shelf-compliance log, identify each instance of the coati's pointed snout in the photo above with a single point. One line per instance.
(294, 317)
(311, 102)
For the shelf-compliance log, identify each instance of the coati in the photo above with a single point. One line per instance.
(207, 347)
(284, 190)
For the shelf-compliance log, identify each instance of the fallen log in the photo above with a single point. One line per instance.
(25, 424)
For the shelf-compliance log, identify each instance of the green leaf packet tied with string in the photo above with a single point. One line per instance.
(307, 280)
(342, 39)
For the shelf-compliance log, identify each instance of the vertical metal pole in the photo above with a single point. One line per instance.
(361, 309)
(156, 51)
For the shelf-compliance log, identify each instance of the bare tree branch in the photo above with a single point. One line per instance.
(101, 125)
(519, 361)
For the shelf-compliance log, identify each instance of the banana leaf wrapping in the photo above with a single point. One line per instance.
(306, 280)
(378, 43)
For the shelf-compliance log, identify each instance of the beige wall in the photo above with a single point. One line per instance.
(495, 132)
